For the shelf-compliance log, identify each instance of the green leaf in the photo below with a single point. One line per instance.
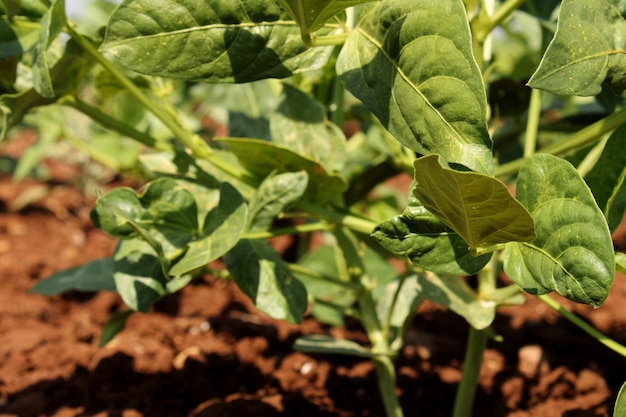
(330, 345)
(455, 294)
(51, 25)
(93, 276)
(312, 14)
(478, 207)
(222, 228)
(607, 179)
(210, 40)
(11, 7)
(413, 67)
(114, 325)
(620, 403)
(404, 304)
(573, 252)
(262, 158)
(260, 273)
(586, 50)
(300, 124)
(620, 262)
(273, 195)
(138, 275)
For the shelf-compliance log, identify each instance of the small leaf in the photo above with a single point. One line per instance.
(620, 403)
(222, 228)
(620, 262)
(273, 195)
(586, 50)
(260, 273)
(413, 66)
(262, 158)
(51, 25)
(11, 7)
(455, 294)
(330, 345)
(93, 276)
(478, 207)
(607, 179)
(114, 325)
(573, 252)
(210, 40)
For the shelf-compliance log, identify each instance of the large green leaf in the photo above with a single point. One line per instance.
(587, 49)
(412, 65)
(312, 14)
(210, 40)
(573, 252)
(51, 25)
(93, 276)
(222, 228)
(260, 273)
(607, 179)
(427, 241)
(262, 158)
(478, 207)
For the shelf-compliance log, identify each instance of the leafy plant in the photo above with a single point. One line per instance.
(437, 89)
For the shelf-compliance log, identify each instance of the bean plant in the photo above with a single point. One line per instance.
(508, 116)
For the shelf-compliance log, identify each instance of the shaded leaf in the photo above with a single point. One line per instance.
(221, 230)
(573, 252)
(114, 325)
(478, 207)
(586, 50)
(607, 179)
(210, 40)
(414, 68)
(262, 158)
(93, 276)
(11, 7)
(620, 262)
(260, 273)
(330, 345)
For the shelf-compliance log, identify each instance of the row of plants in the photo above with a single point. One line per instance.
(471, 98)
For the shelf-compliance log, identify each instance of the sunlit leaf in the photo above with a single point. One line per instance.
(478, 207)
(607, 179)
(413, 66)
(620, 403)
(260, 273)
(620, 262)
(210, 40)
(587, 49)
(573, 252)
(51, 25)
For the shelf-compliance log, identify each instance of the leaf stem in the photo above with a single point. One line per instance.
(298, 269)
(574, 141)
(501, 14)
(600, 337)
(532, 124)
(301, 228)
(466, 391)
(352, 222)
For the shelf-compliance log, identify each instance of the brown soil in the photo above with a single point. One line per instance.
(207, 352)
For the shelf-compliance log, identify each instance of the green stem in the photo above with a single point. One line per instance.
(350, 221)
(600, 337)
(581, 138)
(113, 124)
(502, 13)
(396, 295)
(532, 124)
(464, 401)
(197, 146)
(301, 228)
(298, 269)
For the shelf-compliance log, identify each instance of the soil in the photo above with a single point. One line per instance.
(206, 351)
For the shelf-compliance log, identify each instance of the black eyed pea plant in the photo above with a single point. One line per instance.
(451, 92)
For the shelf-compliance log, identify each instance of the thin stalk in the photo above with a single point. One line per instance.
(301, 228)
(193, 142)
(581, 138)
(532, 124)
(396, 295)
(111, 123)
(502, 13)
(600, 337)
(298, 269)
(350, 221)
(464, 400)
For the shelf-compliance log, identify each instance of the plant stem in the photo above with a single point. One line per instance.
(501, 14)
(350, 221)
(532, 124)
(354, 286)
(581, 138)
(600, 337)
(464, 400)
(301, 228)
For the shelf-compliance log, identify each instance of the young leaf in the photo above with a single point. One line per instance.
(221, 230)
(586, 50)
(210, 40)
(478, 207)
(114, 325)
(273, 195)
(93, 276)
(330, 345)
(51, 25)
(607, 179)
(413, 66)
(312, 14)
(573, 252)
(262, 158)
(260, 273)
